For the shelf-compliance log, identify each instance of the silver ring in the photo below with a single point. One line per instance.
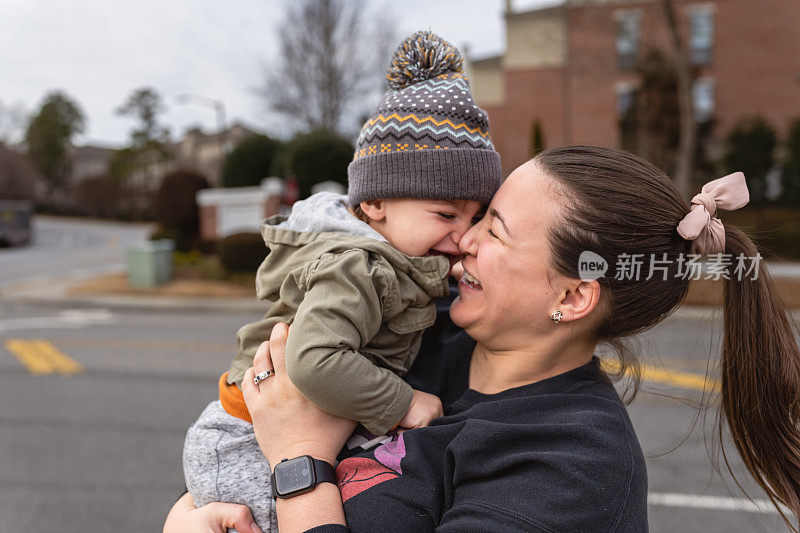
(261, 376)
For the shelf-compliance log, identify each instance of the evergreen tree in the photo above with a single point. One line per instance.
(791, 167)
(750, 148)
(49, 136)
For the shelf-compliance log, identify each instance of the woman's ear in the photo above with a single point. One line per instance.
(580, 299)
(374, 209)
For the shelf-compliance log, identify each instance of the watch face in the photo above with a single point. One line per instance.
(293, 475)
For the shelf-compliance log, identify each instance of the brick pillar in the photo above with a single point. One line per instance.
(208, 223)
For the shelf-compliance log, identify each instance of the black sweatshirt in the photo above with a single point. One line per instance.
(556, 455)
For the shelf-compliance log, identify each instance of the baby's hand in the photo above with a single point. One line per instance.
(424, 408)
(457, 271)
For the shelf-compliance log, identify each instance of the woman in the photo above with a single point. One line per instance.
(534, 437)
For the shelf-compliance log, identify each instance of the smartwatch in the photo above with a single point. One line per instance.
(296, 476)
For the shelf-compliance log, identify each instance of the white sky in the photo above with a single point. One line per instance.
(99, 51)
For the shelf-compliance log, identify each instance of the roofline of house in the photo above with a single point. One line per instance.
(488, 61)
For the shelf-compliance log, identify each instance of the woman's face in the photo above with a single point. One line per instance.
(506, 294)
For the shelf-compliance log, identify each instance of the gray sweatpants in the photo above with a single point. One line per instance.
(223, 463)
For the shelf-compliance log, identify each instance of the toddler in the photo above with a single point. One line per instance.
(356, 275)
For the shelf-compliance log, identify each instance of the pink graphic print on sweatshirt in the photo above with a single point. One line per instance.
(357, 474)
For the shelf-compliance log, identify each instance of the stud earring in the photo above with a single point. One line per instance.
(556, 317)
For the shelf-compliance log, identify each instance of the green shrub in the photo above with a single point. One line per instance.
(791, 166)
(750, 148)
(776, 230)
(161, 233)
(18, 176)
(279, 160)
(250, 162)
(316, 157)
(176, 207)
(785, 242)
(98, 196)
(190, 258)
(241, 252)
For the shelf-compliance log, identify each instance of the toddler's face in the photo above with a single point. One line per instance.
(425, 227)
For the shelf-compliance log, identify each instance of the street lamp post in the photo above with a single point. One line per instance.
(219, 108)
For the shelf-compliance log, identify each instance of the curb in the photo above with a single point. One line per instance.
(139, 303)
(53, 292)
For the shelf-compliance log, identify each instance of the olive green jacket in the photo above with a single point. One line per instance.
(357, 307)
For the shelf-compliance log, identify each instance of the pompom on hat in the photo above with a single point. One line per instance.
(427, 139)
(421, 57)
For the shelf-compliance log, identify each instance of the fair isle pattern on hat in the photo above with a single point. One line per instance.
(430, 112)
(435, 114)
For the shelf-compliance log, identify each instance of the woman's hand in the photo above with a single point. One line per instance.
(212, 518)
(285, 423)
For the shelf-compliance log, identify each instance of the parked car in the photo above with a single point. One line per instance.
(15, 222)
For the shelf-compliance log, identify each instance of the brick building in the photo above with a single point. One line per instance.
(571, 67)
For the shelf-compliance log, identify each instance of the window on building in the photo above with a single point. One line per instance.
(703, 99)
(627, 38)
(625, 100)
(701, 36)
(626, 115)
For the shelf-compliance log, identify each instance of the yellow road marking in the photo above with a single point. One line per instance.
(41, 357)
(684, 380)
(140, 345)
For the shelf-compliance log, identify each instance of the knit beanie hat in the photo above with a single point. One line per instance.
(427, 139)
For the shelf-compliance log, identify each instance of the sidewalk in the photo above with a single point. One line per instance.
(110, 290)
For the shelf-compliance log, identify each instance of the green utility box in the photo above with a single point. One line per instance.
(150, 263)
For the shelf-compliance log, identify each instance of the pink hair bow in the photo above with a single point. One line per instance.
(700, 225)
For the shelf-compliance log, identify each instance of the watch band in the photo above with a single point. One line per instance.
(323, 473)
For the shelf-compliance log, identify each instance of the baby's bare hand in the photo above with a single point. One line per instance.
(424, 408)
(457, 271)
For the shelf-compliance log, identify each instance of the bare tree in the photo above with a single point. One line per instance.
(332, 56)
(688, 133)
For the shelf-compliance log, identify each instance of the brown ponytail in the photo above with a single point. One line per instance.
(614, 204)
(761, 380)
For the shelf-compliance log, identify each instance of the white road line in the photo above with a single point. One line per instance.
(720, 503)
(76, 274)
(66, 319)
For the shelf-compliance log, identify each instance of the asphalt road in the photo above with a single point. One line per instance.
(63, 245)
(97, 446)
